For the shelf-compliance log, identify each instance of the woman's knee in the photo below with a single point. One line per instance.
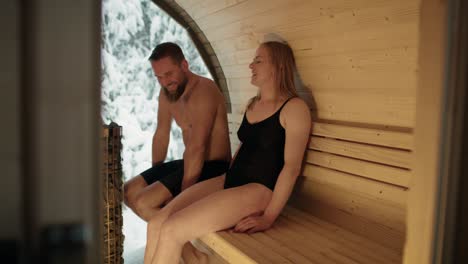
(158, 219)
(172, 231)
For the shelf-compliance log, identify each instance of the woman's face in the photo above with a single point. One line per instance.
(262, 69)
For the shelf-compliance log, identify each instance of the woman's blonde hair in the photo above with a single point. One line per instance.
(284, 65)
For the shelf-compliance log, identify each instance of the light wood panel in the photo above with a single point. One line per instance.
(422, 207)
(393, 157)
(362, 168)
(298, 237)
(322, 16)
(203, 8)
(240, 49)
(231, 253)
(352, 202)
(380, 191)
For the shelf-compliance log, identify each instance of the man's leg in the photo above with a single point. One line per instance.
(151, 199)
(145, 194)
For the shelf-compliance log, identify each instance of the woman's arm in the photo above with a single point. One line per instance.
(297, 123)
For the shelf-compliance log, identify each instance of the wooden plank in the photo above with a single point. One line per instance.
(425, 200)
(362, 168)
(269, 255)
(354, 203)
(229, 252)
(385, 59)
(282, 248)
(314, 237)
(393, 157)
(380, 191)
(287, 237)
(306, 17)
(340, 235)
(380, 137)
(359, 225)
(328, 84)
(239, 50)
(202, 8)
(237, 13)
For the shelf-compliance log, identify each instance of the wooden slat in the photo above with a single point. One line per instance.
(362, 168)
(298, 237)
(380, 137)
(269, 255)
(359, 225)
(314, 236)
(380, 191)
(393, 157)
(229, 252)
(202, 8)
(341, 236)
(282, 248)
(354, 202)
(236, 13)
(315, 254)
(299, 15)
(239, 50)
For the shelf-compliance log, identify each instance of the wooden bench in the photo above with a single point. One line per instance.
(347, 207)
(299, 237)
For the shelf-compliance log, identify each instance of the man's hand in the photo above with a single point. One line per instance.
(254, 223)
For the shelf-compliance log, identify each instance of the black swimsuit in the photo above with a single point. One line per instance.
(261, 156)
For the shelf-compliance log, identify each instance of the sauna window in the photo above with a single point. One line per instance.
(130, 31)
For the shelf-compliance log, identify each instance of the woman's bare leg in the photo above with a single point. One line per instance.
(217, 211)
(187, 197)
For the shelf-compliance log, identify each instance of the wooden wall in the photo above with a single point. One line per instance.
(357, 60)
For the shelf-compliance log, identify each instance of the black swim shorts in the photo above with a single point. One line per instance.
(171, 173)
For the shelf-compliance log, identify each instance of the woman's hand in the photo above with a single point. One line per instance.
(253, 223)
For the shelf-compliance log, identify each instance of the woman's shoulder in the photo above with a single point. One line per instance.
(296, 105)
(296, 113)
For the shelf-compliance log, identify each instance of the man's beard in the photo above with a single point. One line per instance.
(174, 96)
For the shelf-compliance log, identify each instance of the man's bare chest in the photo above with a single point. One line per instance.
(182, 116)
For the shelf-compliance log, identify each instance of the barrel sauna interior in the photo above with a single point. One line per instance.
(358, 69)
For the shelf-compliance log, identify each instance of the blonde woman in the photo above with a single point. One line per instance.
(250, 196)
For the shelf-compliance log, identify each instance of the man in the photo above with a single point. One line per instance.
(198, 107)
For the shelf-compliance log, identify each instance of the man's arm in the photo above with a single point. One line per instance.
(202, 114)
(163, 128)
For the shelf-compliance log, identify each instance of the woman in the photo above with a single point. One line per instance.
(251, 195)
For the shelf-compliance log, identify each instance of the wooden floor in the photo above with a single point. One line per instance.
(298, 237)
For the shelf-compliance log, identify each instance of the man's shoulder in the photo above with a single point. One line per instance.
(206, 82)
(205, 88)
(206, 92)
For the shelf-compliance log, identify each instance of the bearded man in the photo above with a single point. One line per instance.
(198, 107)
